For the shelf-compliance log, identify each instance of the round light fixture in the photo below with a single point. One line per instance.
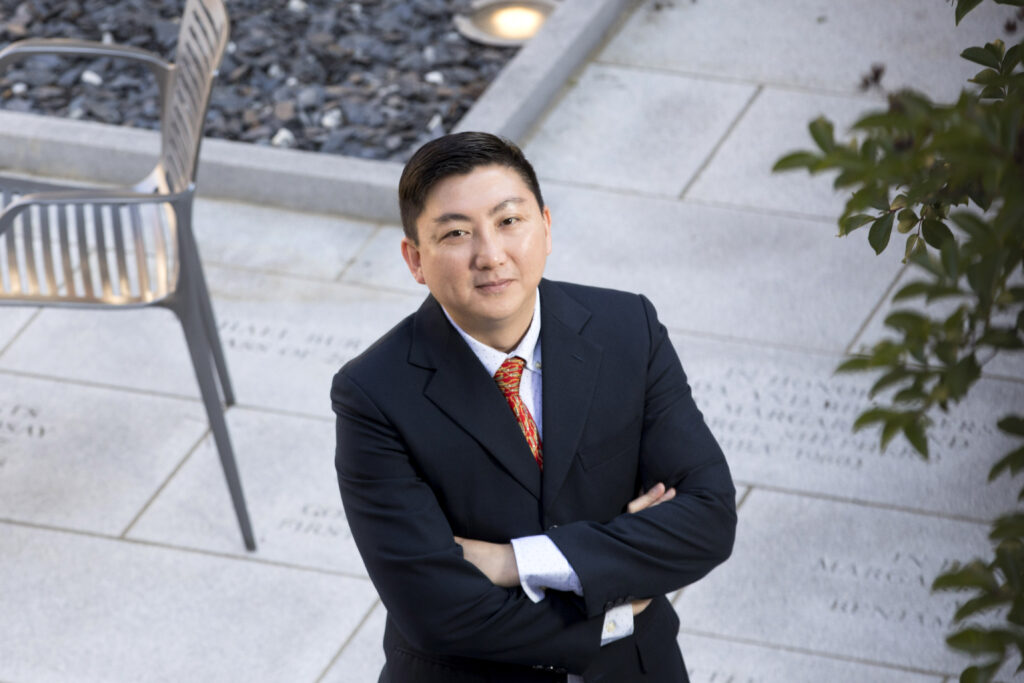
(503, 23)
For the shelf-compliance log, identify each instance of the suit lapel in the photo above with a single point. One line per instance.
(570, 369)
(464, 391)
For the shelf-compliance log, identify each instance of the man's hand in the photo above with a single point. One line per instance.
(497, 561)
(640, 605)
(656, 495)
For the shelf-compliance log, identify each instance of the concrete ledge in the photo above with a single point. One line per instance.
(81, 150)
(518, 96)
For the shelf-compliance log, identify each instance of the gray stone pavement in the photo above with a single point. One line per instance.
(120, 559)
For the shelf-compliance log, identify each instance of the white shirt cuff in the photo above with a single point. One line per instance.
(618, 623)
(542, 565)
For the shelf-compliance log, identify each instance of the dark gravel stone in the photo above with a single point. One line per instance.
(374, 79)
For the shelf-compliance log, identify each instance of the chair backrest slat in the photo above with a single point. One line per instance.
(12, 260)
(28, 253)
(84, 265)
(123, 283)
(201, 42)
(101, 251)
(139, 244)
(65, 251)
(162, 257)
(47, 255)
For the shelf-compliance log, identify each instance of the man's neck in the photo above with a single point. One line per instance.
(505, 337)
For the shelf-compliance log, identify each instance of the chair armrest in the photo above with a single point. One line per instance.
(67, 47)
(87, 196)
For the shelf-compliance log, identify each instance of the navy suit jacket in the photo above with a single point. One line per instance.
(427, 448)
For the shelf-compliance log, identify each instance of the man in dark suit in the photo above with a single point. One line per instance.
(492, 446)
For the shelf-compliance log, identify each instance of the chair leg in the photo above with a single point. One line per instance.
(213, 338)
(197, 277)
(195, 335)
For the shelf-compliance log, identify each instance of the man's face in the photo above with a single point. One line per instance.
(483, 242)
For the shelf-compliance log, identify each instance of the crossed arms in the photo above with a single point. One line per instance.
(497, 561)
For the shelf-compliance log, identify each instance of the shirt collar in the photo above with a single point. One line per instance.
(528, 349)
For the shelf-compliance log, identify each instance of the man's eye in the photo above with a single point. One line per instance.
(454, 233)
(511, 220)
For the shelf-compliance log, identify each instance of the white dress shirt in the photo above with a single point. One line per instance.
(540, 563)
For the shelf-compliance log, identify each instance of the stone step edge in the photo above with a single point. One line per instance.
(311, 181)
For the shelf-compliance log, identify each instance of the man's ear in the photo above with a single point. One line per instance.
(546, 215)
(411, 254)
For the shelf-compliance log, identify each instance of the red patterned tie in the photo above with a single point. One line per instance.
(507, 377)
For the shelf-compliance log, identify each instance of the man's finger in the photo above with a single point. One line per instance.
(640, 605)
(645, 500)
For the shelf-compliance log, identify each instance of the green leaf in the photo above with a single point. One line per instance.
(980, 55)
(1012, 461)
(848, 178)
(907, 219)
(949, 255)
(890, 429)
(992, 92)
(856, 364)
(997, 47)
(926, 261)
(962, 375)
(972, 224)
(823, 133)
(1001, 338)
(885, 120)
(981, 276)
(871, 416)
(914, 432)
(963, 7)
(911, 322)
(977, 641)
(962, 577)
(935, 232)
(1008, 526)
(947, 352)
(986, 77)
(914, 244)
(1016, 614)
(980, 674)
(1010, 560)
(910, 395)
(851, 223)
(913, 289)
(881, 229)
(1012, 424)
(981, 603)
(888, 379)
(1010, 59)
(796, 160)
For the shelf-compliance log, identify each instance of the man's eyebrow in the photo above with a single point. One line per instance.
(502, 205)
(453, 217)
(450, 217)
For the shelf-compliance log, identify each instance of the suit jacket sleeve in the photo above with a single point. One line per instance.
(673, 544)
(439, 601)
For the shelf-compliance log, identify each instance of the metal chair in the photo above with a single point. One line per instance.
(130, 247)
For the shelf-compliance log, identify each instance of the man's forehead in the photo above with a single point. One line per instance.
(482, 189)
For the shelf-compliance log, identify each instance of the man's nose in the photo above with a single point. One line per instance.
(490, 252)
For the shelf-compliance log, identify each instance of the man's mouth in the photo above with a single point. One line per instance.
(493, 285)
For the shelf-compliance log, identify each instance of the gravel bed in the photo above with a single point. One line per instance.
(372, 79)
